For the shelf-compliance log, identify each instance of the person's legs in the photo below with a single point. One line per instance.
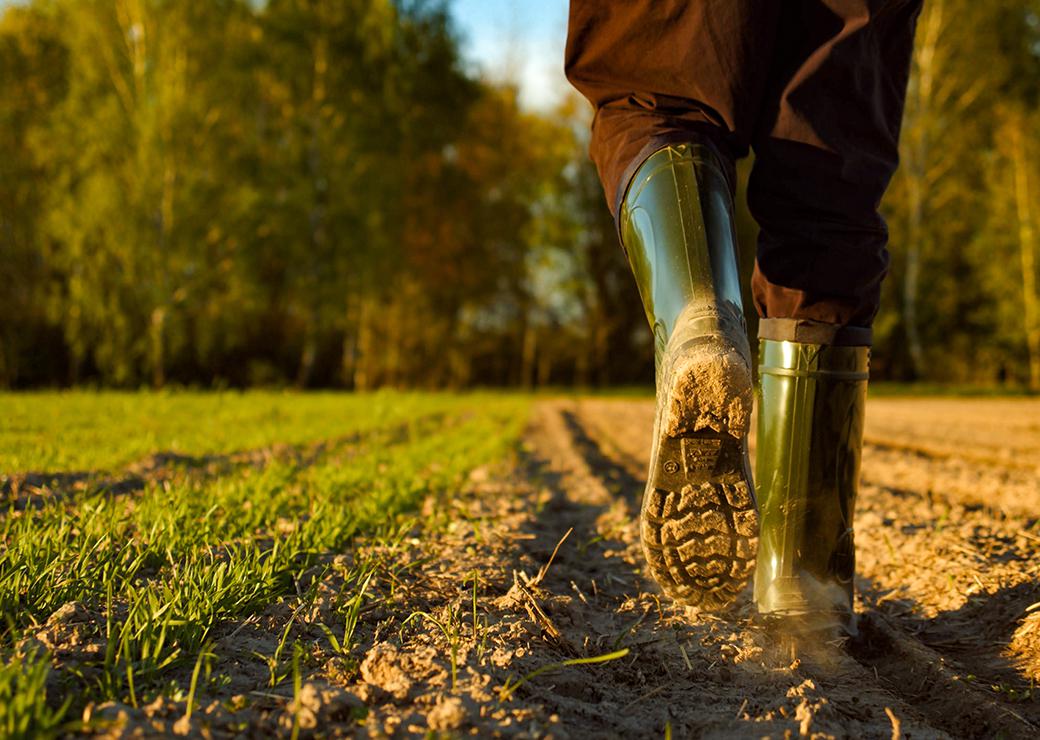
(680, 89)
(820, 96)
(826, 146)
(676, 87)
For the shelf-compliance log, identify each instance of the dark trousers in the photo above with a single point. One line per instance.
(814, 87)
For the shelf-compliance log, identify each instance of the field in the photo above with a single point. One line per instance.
(429, 564)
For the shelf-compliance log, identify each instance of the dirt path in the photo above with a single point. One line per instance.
(947, 585)
(528, 614)
(947, 540)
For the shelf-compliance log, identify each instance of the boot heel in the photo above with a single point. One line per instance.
(712, 390)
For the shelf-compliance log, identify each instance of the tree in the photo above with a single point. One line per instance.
(33, 69)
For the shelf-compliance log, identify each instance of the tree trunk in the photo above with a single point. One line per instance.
(391, 340)
(348, 353)
(1028, 248)
(528, 352)
(315, 217)
(309, 351)
(911, 279)
(6, 372)
(460, 369)
(601, 351)
(362, 360)
(157, 346)
(581, 362)
(544, 369)
(919, 105)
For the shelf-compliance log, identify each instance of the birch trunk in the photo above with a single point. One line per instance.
(917, 150)
(528, 353)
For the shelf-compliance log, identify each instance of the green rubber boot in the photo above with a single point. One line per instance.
(699, 526)
(810, 433)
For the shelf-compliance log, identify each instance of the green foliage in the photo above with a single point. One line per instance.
(262, 193)
(24, 711)
(955, 301)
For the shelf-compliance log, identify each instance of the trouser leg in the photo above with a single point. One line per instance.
(816, 88)
(826, 146)
(668, 71)
(672, 84)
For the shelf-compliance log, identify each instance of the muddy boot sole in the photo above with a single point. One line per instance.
(699, 524)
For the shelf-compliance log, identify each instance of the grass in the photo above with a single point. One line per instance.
(78, 430)
(510, 687)
(166, 569)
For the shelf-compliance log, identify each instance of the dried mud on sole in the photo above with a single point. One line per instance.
(527, 612)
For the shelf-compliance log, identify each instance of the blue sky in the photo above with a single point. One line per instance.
(519, 40)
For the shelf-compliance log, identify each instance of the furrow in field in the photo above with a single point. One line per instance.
(1007, 490)
(925, 679)
(516, 602)
(947, 545)
(961, 581)
(257, 578)
(918, 458)
(527, 613)
(1003, 431)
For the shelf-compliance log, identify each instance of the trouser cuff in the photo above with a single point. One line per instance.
(807, 331)
(702, 134)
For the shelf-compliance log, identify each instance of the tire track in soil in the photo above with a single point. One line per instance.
(946, 585)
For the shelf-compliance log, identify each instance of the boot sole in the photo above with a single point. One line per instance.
(699, 524)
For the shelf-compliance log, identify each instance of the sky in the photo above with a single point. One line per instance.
(517, 40)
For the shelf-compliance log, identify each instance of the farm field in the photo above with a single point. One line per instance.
(396, 564)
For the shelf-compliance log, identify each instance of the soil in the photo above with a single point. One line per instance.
(478, 630)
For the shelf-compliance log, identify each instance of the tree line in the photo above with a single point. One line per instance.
(322, 193)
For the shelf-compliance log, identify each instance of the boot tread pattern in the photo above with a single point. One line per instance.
(700, 542)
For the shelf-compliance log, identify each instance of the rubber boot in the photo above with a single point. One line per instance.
(698, 524)
(810, 434)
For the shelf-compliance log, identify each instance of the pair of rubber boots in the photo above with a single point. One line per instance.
(700, 525)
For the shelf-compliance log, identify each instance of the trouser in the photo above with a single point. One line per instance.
(815, 87)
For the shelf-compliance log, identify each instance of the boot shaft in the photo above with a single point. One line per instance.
(676, 225)
(810, 430)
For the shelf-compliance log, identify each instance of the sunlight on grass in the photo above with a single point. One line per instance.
(166, 567)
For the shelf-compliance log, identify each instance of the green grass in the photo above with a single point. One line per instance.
(70, 431)
(166, 567)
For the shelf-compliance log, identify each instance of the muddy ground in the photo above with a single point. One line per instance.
(539, 564)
